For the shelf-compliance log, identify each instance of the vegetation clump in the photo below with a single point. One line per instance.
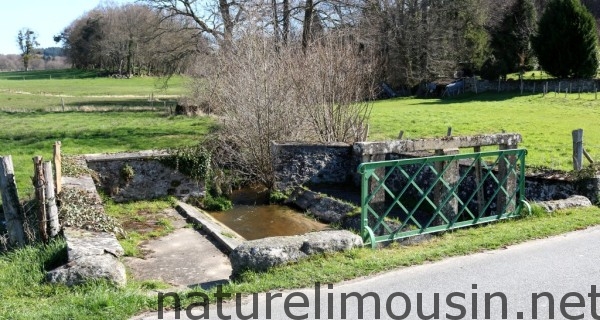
(79, 209)
(193, 161)
(567, 41)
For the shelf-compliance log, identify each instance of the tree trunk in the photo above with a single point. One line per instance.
(227, 20)
(13, 213)
(286, 21)
(276, 31)
(307, 27)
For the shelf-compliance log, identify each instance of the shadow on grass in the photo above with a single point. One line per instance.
(469, 97)
(48, 74)
(130, 136)
(125, 102)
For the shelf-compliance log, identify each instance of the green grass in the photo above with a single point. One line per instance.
(544, 122)
(25, 295)
(28, 134)
(141, 221)
(84, 90)
(530, 75)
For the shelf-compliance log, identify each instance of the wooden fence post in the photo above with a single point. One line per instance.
(13, 212)
(577, 149)
(58, 167)
(39, 184)
(51, 209)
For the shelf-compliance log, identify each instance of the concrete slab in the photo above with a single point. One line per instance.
(228, 238)
(184, 258)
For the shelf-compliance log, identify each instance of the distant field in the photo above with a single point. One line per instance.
(545, 122)
(82, 90)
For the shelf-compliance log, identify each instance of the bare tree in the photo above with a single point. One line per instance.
(217, 18)
(131, 39)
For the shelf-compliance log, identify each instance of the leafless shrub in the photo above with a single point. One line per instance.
(262, 92)
(334, 84)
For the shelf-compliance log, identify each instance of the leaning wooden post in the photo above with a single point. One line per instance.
(13, 212)
(51, 208)
(58, 167)
(577, 149)
(39, 185)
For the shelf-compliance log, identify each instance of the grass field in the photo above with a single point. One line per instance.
(48, 90)
(545, 123)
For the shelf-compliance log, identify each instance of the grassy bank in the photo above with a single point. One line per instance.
(544, 122)
(28, 134)
(25, 295)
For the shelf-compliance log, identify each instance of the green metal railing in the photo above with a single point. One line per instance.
(403, 198)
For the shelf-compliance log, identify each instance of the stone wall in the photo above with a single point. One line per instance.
(531, 86)
(150, 178)
(298, 164)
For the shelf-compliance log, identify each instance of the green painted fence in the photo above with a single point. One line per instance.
(408, 197)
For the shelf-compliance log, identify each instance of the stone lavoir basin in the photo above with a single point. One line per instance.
(253, 218)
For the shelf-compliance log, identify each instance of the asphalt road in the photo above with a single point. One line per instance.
(563, 271)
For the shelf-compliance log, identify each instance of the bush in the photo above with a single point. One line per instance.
(192, 161)
(567, 40)
(216, 203)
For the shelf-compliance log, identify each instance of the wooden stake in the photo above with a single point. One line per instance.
(577, 149)
(51, 209)
(39, 184)
(58, 167)
(13, 212)
(588, 156)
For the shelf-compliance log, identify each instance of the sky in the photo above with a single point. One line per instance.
(46, 17)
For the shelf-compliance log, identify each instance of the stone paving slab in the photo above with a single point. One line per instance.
(184, 258)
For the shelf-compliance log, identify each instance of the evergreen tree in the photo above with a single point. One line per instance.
(510, 41)
(567, 41)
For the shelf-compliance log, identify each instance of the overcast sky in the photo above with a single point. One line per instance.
(46, 17)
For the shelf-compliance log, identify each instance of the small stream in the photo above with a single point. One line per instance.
(253, 218)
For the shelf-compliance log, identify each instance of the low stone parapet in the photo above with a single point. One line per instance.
(91, 256)
(262, 254)
(572, 202)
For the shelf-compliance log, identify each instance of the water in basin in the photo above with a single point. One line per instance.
(253, 219)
